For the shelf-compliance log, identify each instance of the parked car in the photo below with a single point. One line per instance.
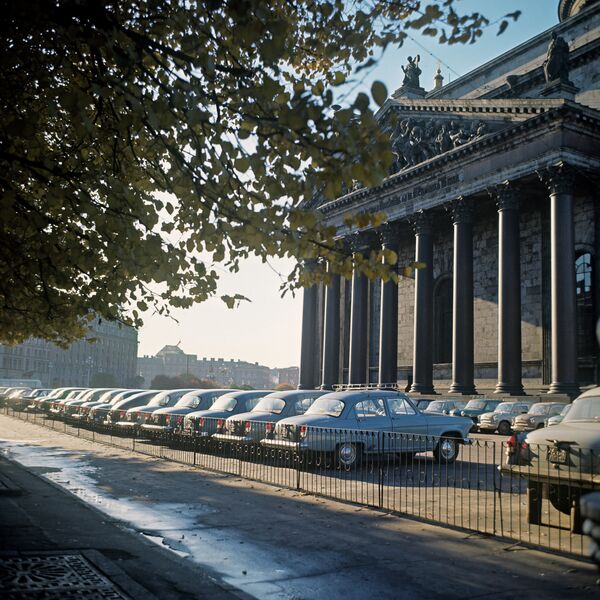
(136, 417)
(421, 403)
(347, 425)
(537, 415)
(96, 412)
(118, 410)
(444, 407)
(475, 408)
(561, 463)
(171, 418)
(204, 423)
(252, 426)
(22, 401)
(501, 418)
(57, 406)
(45, 403)
(80, 408)
(556, 419)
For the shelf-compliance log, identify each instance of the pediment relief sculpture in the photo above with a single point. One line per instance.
(417, 140)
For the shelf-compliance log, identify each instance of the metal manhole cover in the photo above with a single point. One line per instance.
(53, 576)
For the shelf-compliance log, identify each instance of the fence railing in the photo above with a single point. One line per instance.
(495, 487)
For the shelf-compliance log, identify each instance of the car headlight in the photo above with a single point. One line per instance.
(462, 413)
(531, 420)
(494, 417)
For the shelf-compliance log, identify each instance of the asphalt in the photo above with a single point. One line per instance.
(38, 519)
(230, 537)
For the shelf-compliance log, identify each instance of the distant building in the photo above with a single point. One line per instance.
(173, 361)
(113, 354)
(289, 375)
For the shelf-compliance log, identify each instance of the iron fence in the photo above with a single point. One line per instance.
(498, 487)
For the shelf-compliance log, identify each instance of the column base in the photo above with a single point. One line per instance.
(510, 390)
(570, 389)
(462, 388)
(327, 387)
(422, 388)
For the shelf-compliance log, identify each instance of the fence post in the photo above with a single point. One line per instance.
(380, 454)
(194, 448)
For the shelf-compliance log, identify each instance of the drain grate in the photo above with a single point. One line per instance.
(53, 577)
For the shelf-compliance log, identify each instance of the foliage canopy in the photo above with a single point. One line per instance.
(144, 142)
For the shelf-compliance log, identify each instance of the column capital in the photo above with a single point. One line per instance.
(559, 179)
(420, 222)
(506, 196)
(460, 210)
(360, 241)
(389, 234)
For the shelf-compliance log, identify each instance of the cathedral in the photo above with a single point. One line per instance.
(494, 191)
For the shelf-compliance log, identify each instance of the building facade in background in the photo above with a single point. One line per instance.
(111, 358)
(494, 193)
(173, 361)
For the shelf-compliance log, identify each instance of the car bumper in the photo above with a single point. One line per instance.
(524, 427)
(288, 445)
(150, 427)
(126, 424)
(229, 437)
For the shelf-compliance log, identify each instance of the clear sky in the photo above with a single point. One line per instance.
(267, 330)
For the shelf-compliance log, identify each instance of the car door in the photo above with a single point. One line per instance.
(409, 424)
(372, 417)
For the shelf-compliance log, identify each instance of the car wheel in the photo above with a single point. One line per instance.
(446, 451)
(347, 455)
(504, 428)
(562, 497)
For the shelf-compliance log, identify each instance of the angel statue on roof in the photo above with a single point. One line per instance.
(412, 72)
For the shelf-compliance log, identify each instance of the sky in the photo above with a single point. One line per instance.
(267, 329)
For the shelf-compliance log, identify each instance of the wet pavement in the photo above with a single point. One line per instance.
(266, 542)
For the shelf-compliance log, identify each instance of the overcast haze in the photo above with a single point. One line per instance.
(267, 330)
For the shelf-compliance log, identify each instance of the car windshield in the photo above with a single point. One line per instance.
(224, 403)
(436, 406)
(270, 405)
(160, 400)
(187, 402)
(475, 405)
(539, 409)
(566, 409)
(326, 406)
(504, 407)
(585, 409)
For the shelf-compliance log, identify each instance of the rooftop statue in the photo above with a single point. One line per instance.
(556, 65)
(412, 72)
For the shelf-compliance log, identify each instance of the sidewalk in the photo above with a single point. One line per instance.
(234, 534)
(54, 546)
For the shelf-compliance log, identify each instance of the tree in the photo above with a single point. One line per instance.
(103, 380)
(145, 142)
(185, 380)
(284, 386)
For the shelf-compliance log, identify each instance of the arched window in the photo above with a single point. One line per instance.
(442, 322)
(586, 326)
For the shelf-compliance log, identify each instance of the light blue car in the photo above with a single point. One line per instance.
(354, 423)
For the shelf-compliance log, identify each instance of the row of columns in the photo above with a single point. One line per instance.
(559, 182)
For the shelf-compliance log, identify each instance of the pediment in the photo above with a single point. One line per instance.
(421, 129)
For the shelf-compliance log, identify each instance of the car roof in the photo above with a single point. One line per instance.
(593, 392)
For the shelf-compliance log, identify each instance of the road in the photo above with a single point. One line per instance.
(272, 542)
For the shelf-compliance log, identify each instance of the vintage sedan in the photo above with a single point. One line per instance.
(537, 416)
(351, 424)
(204, 423)
(501, 418)
(81, 410)
(252, 426)
(475, 408)
(97, 412)
(170, 418)
(118, 411)
(556, 419)
(561, 463)
(444, 407)
(137, 416)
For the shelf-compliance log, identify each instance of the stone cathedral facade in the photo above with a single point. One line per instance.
(495, 188)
